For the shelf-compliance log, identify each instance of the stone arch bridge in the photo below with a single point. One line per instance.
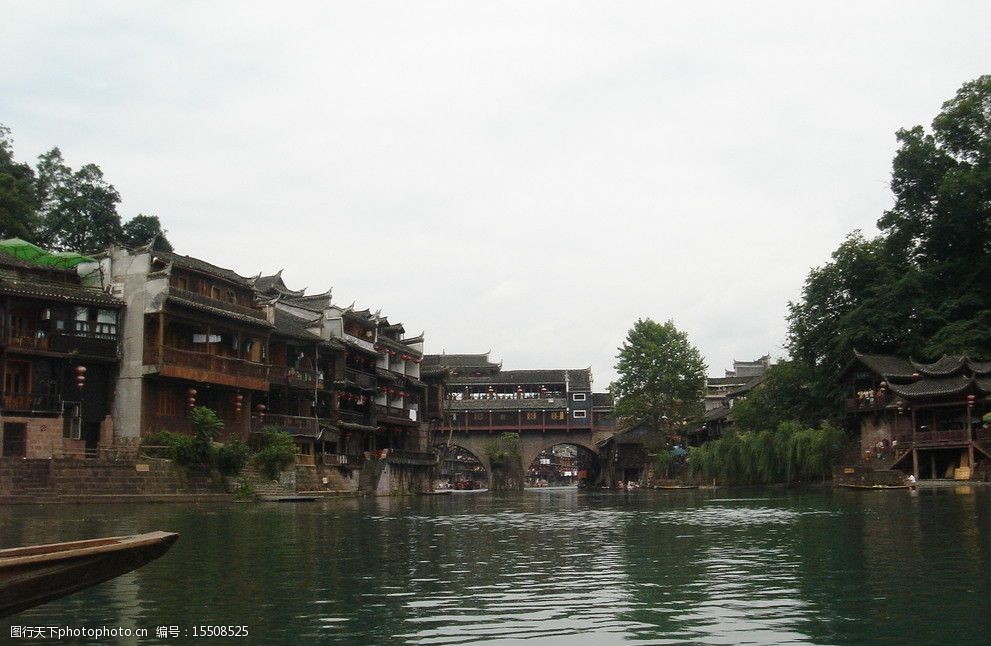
(532, 442)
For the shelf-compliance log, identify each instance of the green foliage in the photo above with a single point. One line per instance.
(275, 450)
(64, 209)
(207, 427)
(178, 447)
(787, 393)
(504, 449)
(923, 287)
(661, 376)
(789, 453)
(18, 197)
(79, 208)
(142, 229)
(231, 457)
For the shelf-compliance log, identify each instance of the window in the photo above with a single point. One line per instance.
(578, 397)
(557, 415)
(579, 414)
(531, 416)
(73, 423)
(168, 402)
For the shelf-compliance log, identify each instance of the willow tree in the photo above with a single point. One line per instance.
(661, 377)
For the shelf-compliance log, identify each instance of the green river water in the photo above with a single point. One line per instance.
(562, 567)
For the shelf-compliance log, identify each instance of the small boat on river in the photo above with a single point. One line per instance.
(875, 487)
(37, 574)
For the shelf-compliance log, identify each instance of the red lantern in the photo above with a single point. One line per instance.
(80, 377)
(971, 399)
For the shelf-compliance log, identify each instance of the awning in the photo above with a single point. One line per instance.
(36, 255)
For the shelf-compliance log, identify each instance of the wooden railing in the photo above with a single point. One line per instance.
(195, 297)
(865, 403)
(31, 403)
(353, 416)
(360, 379)
(163, 354)
(936, 438)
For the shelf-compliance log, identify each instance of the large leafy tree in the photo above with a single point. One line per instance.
(142, 229)
(923, 286)
(786, 394)
(661, 376)
(18, 195)
(79, 208)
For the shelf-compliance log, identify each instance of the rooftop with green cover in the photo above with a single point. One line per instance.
(34, 254)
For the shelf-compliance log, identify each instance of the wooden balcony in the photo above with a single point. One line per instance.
(396, 415)
(85, 341)
(958, 437)
(360, 379)
(341, 460)
(208, 368)
(355, 416)
(306, 379)
(865, 404)
(200, 299)
(31, 404)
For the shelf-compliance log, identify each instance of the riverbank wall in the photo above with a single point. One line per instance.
(70, 480)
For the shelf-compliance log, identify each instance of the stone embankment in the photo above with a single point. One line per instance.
(72, 480)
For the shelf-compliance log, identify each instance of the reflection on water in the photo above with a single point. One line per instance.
(561, 567)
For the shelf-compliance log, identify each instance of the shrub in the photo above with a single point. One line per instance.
(231, 457)
(179, 448)
(275, 451)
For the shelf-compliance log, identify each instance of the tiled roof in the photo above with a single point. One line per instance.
(752, 383)
(716, 413)
(295, 327)
(7, 260)
(274, 284)
(195, 264)
(397, 345)
(932, 386)
(979, 367)
(459, 360)
(945, 365)
(886, 365)
(53, 291)
(558, 403)
(602, 400)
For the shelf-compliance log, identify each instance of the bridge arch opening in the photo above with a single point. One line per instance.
(564, 465)
(460, 468)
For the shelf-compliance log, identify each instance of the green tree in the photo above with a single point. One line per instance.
(18, 194)
(78, 208)
(661, 377)
(923, 286)
(788, 393)
(142, 229)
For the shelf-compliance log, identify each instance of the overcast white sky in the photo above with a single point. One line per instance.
(524, 177)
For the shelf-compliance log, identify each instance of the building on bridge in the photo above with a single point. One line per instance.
(483, 399)
(928, 419)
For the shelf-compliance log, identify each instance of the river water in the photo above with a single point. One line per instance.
(738, 566)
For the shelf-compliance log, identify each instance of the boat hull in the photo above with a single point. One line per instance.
(31, 576)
